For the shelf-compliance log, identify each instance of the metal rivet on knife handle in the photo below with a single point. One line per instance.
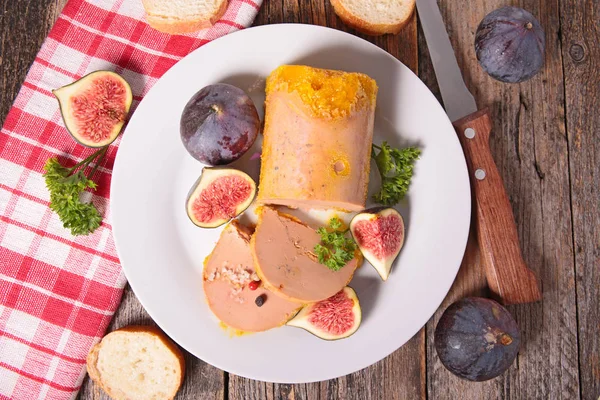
(469, 133)
(480, 174)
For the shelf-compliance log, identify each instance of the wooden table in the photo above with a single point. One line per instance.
(546, 142)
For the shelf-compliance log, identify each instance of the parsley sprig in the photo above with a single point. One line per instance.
(66, 185)
(396, 170)
(335, 248)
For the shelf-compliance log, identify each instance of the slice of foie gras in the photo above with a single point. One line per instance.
(285, 260)
(227, 272)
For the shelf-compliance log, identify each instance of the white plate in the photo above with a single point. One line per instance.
(162, 252)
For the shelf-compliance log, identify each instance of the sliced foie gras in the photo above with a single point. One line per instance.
(285, 260)
(317, 138)
(227, 272)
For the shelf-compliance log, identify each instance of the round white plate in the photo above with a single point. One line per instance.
(162, 252)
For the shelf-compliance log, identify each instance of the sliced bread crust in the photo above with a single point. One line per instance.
(183, 23)
(362, 24)
(116, 394)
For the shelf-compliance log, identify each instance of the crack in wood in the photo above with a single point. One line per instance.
(583, 383)
(538, 170)
(518, 134)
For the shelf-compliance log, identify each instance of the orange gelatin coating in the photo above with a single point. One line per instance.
(329, 93)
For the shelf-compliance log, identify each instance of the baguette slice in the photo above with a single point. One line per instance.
(137, 362)
(375, 17)
(183, 16)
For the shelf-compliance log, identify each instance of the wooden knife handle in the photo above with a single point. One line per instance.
(509, 278)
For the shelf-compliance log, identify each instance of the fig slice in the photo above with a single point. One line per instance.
(94, 107)
(379, 233)
(334, 318)
(219, 195)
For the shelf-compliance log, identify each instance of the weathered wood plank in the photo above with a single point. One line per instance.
(580, 32)
(23, 27)
(248, 389)
(202, 381)
(530, 148)
(470, 280)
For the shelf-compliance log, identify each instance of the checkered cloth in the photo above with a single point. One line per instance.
(58, 292)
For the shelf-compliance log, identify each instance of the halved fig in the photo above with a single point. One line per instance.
(379, 233)
(219, 195)
(334, 318)
(94, 107)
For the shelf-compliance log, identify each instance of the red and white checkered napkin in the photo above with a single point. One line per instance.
(57, 292)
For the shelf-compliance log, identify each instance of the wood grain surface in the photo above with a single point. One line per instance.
(580, 39)
(546, 143)
(529, 144)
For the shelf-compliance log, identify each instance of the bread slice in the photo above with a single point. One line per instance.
(375, 17)
(183, 16)
(137, 362)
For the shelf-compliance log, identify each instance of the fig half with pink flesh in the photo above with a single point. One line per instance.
(334, 318)
(379, 233)
(219, 195)
(94, 107)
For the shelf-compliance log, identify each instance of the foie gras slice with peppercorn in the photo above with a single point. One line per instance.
(283, 249)
(232, 289)
(317, 138)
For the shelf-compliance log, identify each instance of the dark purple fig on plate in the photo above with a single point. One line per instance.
(94, 107)
(219, 124)
(379, 233)
(477, 339)
(219, 195)
(510, 45)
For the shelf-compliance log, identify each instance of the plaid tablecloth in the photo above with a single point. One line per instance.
(58, 292)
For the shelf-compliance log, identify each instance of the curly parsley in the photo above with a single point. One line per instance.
(396, 170)
(335, 248)
(66, 185)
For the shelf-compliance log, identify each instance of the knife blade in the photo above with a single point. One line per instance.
(508, 277)
(458, 100)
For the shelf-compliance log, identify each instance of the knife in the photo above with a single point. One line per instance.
(509, 278)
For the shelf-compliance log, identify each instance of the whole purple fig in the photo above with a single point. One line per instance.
(219, 124)
(510, 45)
(477, 339)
